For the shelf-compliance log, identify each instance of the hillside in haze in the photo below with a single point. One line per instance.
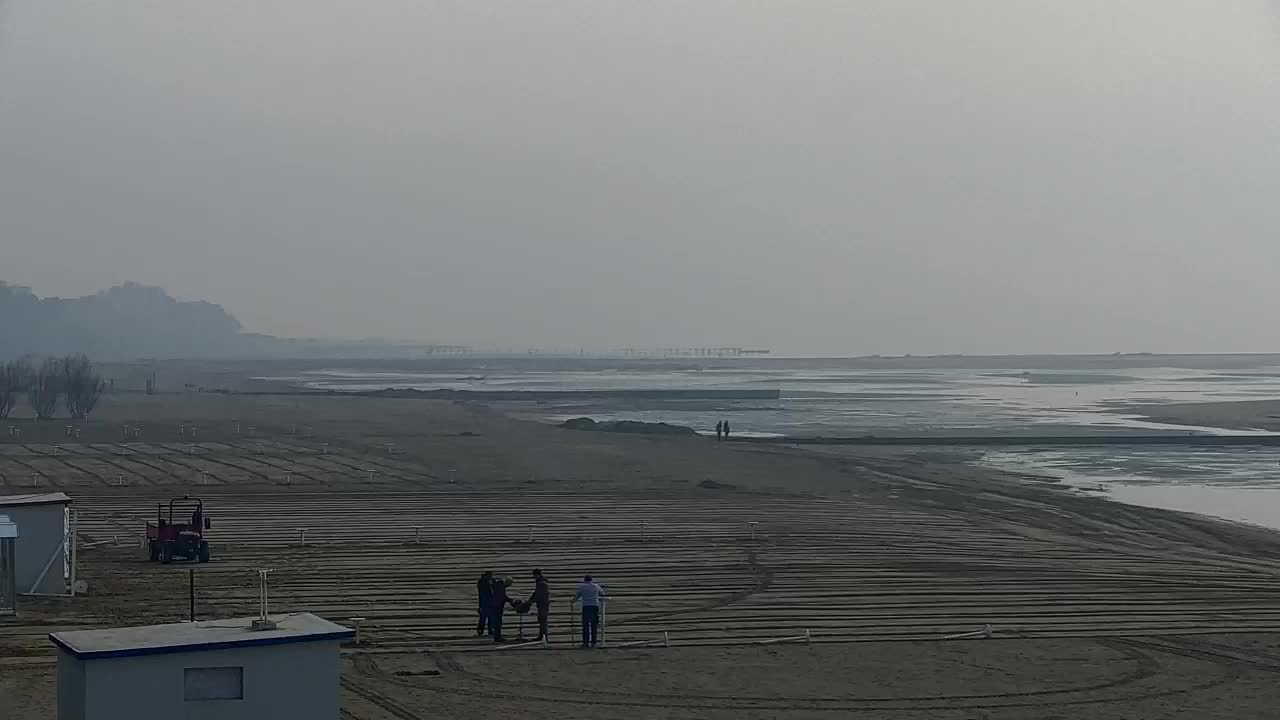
(123, 323)
(133, 321)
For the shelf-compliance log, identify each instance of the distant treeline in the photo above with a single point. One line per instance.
(69, 381)
(123, 323)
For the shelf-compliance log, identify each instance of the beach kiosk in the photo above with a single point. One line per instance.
(44, 552)
(240, 669)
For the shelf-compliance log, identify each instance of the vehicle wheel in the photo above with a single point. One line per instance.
(204, 552)
(153, 550)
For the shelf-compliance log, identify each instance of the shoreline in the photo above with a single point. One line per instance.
(1254, 415)
(1028, 441)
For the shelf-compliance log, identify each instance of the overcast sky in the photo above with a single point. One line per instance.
(849, 176)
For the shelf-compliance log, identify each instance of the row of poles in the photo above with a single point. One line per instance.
(417, 532)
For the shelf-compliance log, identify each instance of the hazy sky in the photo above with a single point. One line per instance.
(849, 176)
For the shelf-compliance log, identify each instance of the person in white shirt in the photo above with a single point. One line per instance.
(591, 596)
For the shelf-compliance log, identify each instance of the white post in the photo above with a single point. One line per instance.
(530, 533)
(370, 476)
(324, 448)
(356, 621)
(302, 536)
(263, 609)
(417, 534)
(453, 477)
(753, 525)
(288, 478)
(55, 450)
(75, 551)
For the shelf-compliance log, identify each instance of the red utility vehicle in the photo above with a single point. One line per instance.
(181, 538)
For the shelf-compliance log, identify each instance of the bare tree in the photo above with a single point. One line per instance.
(45, 388)
(15, 376)
(82, 385)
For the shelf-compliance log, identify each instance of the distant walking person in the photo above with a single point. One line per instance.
(484, 598)
(591, 596)
(719, 429)
(726, 429)
(541, 599)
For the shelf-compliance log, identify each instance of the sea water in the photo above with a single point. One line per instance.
(1235, 483)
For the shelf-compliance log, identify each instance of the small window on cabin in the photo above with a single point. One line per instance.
(216, 683)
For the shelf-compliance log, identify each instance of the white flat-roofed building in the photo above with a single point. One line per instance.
(204, 670)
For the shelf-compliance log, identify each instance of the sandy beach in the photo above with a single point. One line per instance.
(1242, 415)
(1096, 607)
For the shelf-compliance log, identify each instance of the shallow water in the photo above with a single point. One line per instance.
(840, 401)
(1234, 483)
(1241, 484)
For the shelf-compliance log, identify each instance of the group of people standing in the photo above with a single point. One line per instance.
(722, 430)
(493, 598)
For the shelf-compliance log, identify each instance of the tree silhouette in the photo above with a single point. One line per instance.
(45, 389)
(82, 385)
(15, 377)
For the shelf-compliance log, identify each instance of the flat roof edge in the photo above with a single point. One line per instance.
(20, 501)
(199, 647)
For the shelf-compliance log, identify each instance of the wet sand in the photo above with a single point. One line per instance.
(1243, 415)
(1099, 608)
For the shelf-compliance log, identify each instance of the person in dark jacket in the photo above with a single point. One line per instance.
(541, 599)
(726, 429)
(497, 606)
(484, 598)
(719, 429)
